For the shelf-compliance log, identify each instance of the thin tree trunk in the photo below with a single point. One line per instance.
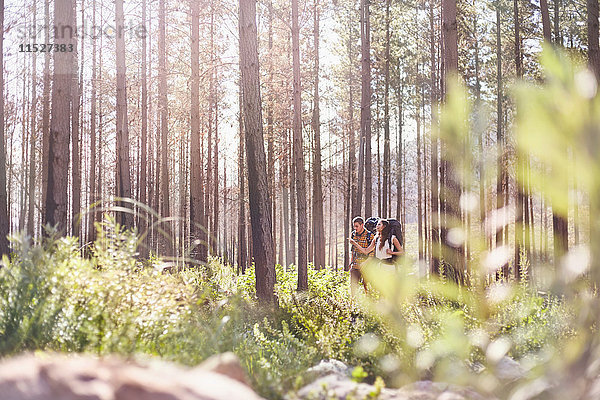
(242, 250)
(557, 35)
(260, 202)
(164, 130)
(286, 201)
(198, 223)
(76, 162)
(123, 174)
(435, 223)
(24, 149)
(386, 115)
(365, 105)
(317, 214)
(520, 182)
(299, 155)
(4, 220)
(92, 217)
(419, 186)
(45, 112)
(33, 136)
(500, 198)
(592, 34)
(270, 133)
(143, 186)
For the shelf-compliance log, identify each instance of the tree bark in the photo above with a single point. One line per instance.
(197, 216)
(46, 112)
(33, 137)
(419, 177)
(546, 21)
(435, 223)
(58, 158)
(76, 162)
(365, 104)
(299, 155)
(270, 127)
(143, 186)
(451, 193)
(4, 220)
(592, 33)
(123, 174)
(318, 230)
(92, 217)
(164, 132)
(500, 195)
(260, 202)
(386, 116)
(520, 182)
(242, 246)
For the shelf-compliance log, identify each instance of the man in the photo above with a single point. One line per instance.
(363, 238)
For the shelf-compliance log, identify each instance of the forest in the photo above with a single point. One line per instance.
(180, 181)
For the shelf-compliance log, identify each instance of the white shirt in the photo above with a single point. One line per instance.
(381, 253)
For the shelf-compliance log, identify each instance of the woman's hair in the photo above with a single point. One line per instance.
(385, 232)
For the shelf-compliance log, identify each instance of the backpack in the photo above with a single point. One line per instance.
(370, 224)
(395, 230)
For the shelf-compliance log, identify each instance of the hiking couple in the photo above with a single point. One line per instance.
(384, 244)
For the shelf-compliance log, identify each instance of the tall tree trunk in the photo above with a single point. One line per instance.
(76, 162)
(435, 223)
(123, 174)
(386, 116)
(58, 158)
(260, 202)
(197, 216)
(400, 165)
(143, 186)
(93, 216)
(317, 214)
(454, 253)
(270, 128)
(24, 149)
(33, 136)
(592, 34)
(482, 177)
(286, 209)
(557, 35)
(545, 21)
(500, 195)
(299, 155)
(215, 209)
(242, 251)
(46, 112)
(164, 130)
(499, 137)
(419, 175)
(520, 182)
(100, 185)
(365, 104)
(4, 220)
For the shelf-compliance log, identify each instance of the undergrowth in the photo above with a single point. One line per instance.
(52, 298)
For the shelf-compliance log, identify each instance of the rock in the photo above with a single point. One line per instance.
(61, 377)
(428, 390)
(337, 387)
(227, 364)
(508, 369)
(325, 368)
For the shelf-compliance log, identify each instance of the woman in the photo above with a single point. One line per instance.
(385, 246)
